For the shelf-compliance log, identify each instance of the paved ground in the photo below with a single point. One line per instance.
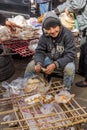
(80, 93)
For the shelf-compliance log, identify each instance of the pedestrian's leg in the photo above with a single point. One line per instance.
(44, 7)
(82, 55)
(69, 73)
(81, 63)
(85, 60)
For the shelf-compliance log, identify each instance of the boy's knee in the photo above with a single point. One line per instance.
(30, 66)
(69, 69)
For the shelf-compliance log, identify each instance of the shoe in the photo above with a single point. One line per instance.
(81, 84)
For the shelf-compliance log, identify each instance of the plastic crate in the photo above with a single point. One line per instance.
(20, 47)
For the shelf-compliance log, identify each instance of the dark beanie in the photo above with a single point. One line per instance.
(51, 22)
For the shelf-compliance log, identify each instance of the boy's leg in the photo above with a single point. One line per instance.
(69, 73)
(29, 72)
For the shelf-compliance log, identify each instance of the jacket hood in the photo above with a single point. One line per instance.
(50, 15)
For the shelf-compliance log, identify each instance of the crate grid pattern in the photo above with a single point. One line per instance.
(19, 46)
(30, 117)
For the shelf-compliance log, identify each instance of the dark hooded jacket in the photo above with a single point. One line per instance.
(61, 50)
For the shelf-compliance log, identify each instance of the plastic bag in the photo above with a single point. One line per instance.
(46, 108)
(15, 87)
(33, 44)
(63, 97)
(10, 117)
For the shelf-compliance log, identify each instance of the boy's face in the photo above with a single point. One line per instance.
(53, 31)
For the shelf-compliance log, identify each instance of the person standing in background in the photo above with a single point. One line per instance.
(43, 6)
(83, 61)
(79, 7)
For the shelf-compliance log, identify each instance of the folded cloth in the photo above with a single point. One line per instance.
(81, 84)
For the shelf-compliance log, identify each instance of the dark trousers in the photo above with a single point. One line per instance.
(83, 59)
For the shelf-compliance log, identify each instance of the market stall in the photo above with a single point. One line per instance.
(18, 33)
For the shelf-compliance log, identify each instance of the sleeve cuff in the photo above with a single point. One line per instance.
(38, 63)
(57, 64)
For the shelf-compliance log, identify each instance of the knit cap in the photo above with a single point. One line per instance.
(51, 22)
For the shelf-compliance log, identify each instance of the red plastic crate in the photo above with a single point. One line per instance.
(19, 47)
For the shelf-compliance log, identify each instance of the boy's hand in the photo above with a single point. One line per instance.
(50, 68)
(38, 68)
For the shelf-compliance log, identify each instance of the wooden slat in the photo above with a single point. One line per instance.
(31, 117)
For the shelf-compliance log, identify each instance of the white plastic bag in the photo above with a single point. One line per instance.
(63, 97)
(15, 87)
